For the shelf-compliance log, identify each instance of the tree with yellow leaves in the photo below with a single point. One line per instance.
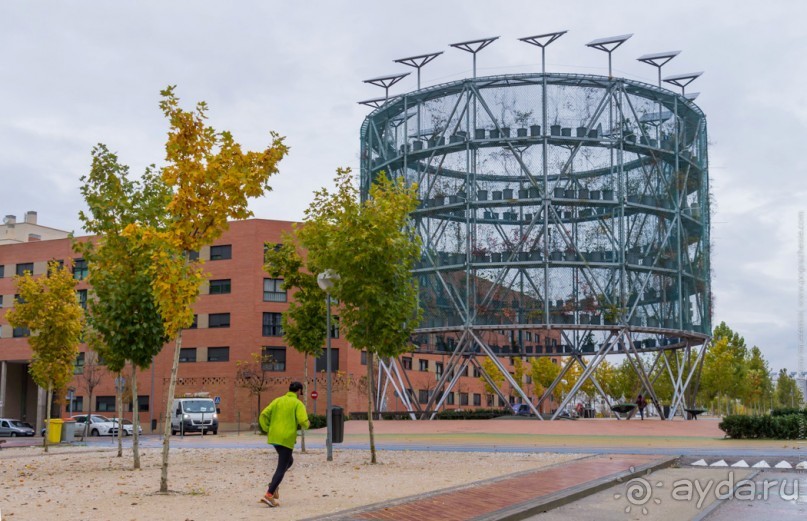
(49, 308)
(211, 180)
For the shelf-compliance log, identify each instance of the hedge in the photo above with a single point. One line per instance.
(785, 411)
(781, 427)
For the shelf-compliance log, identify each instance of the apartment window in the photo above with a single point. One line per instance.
(2, 271)
(142, 404)
(438, 369)
(465, 371)
(193, 255)
(78, 367)
(187, 354)
(222, 252)
(105, 403)
(477, 400)
(477, 372)
(218, 354)
(82, 298)
(272, 324)
(463, 398)
(273, 290)
(20, 332)
(322, 360)
(334, 326)
(423, 396)
(364, 358)
(501, 402)
(74, 406)
(219, 286)
(1, 301)
(80, 270)
(424, 365)
(25, 266)
(406, 362)
(195, 323)
(274, 359)
(450, 399)
(218, 320)
(489, 399)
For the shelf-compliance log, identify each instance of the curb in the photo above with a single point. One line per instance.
(571, 494)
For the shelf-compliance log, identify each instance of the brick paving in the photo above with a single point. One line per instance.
(503, 497)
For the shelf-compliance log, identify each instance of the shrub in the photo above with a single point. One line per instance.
(784, 411)
(783, 427)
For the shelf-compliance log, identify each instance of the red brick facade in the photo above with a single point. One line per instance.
(246, 305)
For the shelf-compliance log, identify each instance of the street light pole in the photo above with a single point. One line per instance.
(325, 281)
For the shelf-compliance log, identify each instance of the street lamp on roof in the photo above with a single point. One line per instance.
(326, 281)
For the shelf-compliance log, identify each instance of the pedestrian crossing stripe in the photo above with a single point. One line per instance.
(700, 463)
(761, 465)
(741, 463)
(783, 465)
(721, 463)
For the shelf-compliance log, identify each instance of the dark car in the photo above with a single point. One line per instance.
(522, 409)
(13, 428)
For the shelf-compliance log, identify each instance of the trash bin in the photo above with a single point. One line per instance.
(54, 432)
(337, 424)
(665, 411)
(68, 431)
(588, 412)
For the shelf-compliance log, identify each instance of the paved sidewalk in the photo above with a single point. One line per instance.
(514, 496)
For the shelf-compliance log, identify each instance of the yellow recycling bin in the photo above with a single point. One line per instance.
(54, 430)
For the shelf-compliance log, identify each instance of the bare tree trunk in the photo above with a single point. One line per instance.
(135, 420)
(47, 416)
(87, 418)
(119, 407)
(168, 411)
(370, 405)
(305, 398)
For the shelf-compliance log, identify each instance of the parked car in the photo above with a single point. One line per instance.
(128, 427)
(99, 425)
(522, 409)
(14, 428)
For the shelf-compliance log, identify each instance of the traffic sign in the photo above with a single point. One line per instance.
(314, 395)
(217, 399)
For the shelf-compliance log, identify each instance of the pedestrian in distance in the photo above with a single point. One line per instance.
(641, 403)
(280, 420)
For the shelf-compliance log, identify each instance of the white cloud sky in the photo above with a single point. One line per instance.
(73, 74)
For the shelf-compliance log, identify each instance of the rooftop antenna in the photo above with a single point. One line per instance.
(474, 46)
(386, 82)
(682, 80)
(419, 61)
(658, 60)
(609, 44)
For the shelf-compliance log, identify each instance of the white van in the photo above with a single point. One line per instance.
(194, 415)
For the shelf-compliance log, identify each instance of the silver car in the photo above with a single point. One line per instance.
(14, 428)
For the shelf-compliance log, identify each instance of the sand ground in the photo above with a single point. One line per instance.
(80, 483)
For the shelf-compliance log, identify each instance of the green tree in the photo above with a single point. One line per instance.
(373, 248)
(304, 321)
(787, 391)
(625, 384)
(543, 373)
(494, 373)
(125, 322)
(760, 386)
(49, 309)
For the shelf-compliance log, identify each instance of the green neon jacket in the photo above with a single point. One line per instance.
(281, 418)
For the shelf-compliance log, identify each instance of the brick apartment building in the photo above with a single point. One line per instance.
(237, 315)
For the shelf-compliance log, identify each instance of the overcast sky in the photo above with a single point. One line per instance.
(73, 74)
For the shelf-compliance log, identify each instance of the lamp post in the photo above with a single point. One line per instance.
(325, 281)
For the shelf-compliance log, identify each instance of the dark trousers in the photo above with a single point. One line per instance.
(284, 463)
(641, 412)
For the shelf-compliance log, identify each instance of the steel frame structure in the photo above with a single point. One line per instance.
(595, 228)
